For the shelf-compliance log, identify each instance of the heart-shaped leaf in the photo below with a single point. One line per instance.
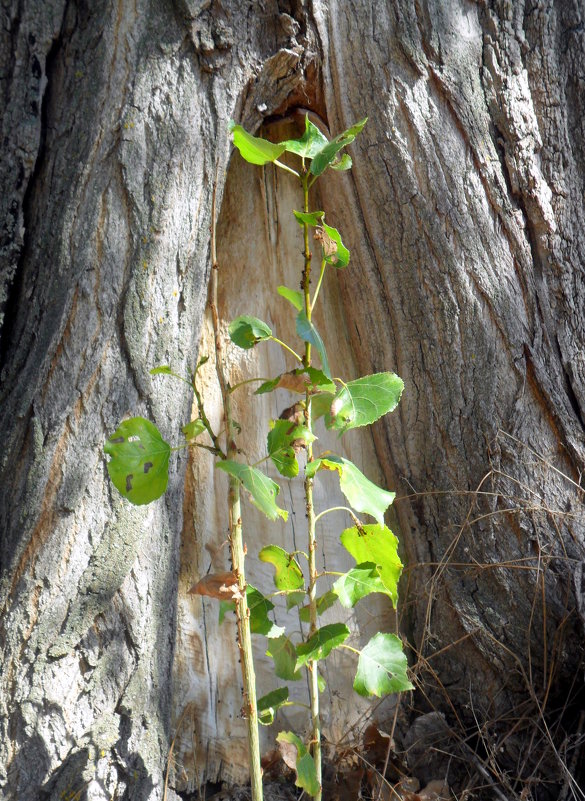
(321, 643)
(287, 572)
(246, 331)
(139, 460)
(263, 490)
(377, 544)
(254, 149)
(365, 400)
(382, 667)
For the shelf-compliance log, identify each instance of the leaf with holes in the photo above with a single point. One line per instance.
(382, 667)
(307, 331)
(263, 490)
(363, 401)
(296, 756)
(246, 331)
(357, 583)
(377, 544)
(344, 163)
(139, 460)
(252, 148)
(270, 703)
(321, 643)
(287, 572)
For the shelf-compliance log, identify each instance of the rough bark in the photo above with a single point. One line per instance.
(464, 213)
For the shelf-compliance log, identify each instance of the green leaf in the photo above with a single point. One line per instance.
(364, 401)
(268, 386)
(308, 217)
(262, 489)
(287, 572)
(284, 655)
(259, 607)
(320, 405)
(139, 460)
(335, 251)
(310, 143)
(270, 703)
(193, 429)
(294, 599)
(164, 369)
(254, 149)
(344, 163)
(325, 602)
(246, 331)
(284, 439)
(307, 331)
(377, 544)
(296, 756)
(329, 152)
(323, 641)
(319, 379)
(293, 296)
(357, 583)
(382, 667)
(363, 495)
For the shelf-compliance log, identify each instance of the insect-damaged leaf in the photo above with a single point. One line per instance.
(263, 490)
(296, 756)
(287, 572)
(382, 667)
(139, 460)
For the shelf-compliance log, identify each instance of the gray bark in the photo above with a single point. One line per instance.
(464, 213)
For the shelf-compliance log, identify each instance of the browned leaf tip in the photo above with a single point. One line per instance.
(294, 382)
(223, 586)
(288, 752)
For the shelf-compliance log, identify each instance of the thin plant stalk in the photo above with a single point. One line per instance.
(313, 574)
(236, 541)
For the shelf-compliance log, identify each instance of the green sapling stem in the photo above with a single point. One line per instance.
(313, 575)
(237, 549)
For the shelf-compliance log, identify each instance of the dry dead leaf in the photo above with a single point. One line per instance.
(437, 790)
(294, 382)
(294, 413)
(329, 246)
(223, 586)
(288, 752)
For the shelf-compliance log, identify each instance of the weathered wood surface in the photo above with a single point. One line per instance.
(464, 213)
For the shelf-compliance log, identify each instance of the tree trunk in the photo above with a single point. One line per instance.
(464, 214)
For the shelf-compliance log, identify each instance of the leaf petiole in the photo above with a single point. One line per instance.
(286, 347)
(321, 274)
(286, 167)
(338, 509)
(242, 383)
